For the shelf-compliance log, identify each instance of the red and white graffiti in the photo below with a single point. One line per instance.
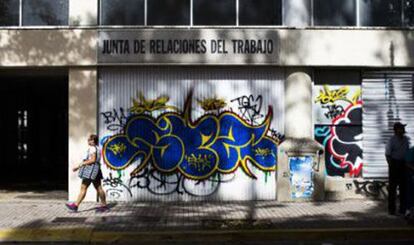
(345, 143)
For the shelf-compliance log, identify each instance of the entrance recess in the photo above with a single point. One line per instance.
(34, 125)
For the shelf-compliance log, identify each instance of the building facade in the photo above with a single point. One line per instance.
(206, 99)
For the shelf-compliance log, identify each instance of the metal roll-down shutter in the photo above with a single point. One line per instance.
(388, 98)
(147, 95)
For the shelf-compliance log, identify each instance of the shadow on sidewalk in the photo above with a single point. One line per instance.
(214, 217)
(32, 195)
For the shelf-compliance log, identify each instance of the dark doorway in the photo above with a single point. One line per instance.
(34, 125)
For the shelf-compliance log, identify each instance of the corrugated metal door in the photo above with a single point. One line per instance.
(171, 133)
(337, 111)
(388, 98)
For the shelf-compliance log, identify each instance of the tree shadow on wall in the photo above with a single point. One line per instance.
(52, 48)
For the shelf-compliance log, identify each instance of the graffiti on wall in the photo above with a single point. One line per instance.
(343, 146)
(143, 105)
(115, 188)
(173, 142)
(331, 101)
(371, 188)
(333, 111)
(338, 112)
(114, 119)
(173, 154)
(212, 104)
(158, 183)
(276, 135)
(249, 107)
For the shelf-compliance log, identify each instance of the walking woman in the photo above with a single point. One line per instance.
(90, 172)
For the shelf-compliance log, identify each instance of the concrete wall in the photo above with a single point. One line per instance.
(82, 121)
(298, 47)
(371, 48)
(62, 47)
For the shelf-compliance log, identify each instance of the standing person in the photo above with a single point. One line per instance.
(90, 172)
(395, 153)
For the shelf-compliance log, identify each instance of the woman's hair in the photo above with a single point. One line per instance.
(94, 137)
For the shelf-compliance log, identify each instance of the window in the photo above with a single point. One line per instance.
(122, 12)
(45, 12)
(408, 12)
(380, 12)
(168, 12)
(214, 12)
(9, 12)
(337, 77)
(334, 12)
(260, 12)
(22, 135)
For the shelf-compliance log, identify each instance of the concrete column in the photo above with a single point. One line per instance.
(297, 13)
(298, 106)
(82, 122)
(298, 133)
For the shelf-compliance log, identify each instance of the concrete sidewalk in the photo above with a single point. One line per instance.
(43, 217)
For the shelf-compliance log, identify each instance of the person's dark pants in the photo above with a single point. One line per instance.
(397, 178)
(410, 189)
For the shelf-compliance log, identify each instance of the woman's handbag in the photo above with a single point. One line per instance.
(89, 171)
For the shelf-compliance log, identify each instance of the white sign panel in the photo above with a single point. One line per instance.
(188, 47)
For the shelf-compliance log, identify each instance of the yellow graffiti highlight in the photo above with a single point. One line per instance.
(211, 104)
(199, 162)
(330, 96)
(356, 97)
(205, 139)
(148, 105)
(263, 152)
(119, 148)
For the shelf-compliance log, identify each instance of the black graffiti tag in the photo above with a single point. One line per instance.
(277, 135)
(250, 107)
(114, 119)
(115, 187)
(158, 183)
(333, 111)
(373, 188)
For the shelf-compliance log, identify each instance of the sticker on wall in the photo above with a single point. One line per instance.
(301, 176)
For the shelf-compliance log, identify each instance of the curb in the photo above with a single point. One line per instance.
(45, 235)
(89, 235)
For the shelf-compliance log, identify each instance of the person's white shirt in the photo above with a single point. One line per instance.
(93, 150)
